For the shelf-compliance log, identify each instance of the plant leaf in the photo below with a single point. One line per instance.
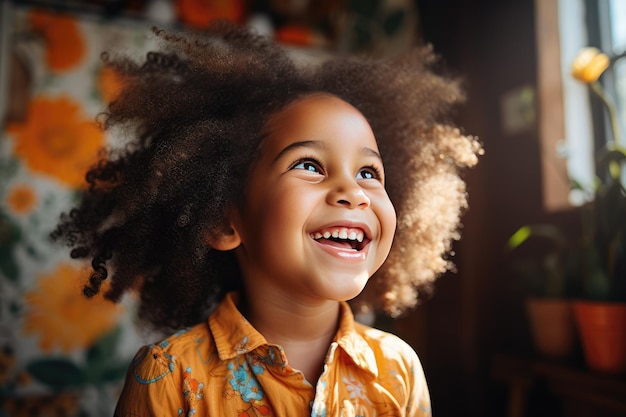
(8, 267)
(57, 373)
(520, 236)
(104, 349)
(114, 372)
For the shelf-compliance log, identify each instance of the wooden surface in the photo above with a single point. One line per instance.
(567, 389)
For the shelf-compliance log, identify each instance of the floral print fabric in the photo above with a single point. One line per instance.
(224, 367)
(60, 353)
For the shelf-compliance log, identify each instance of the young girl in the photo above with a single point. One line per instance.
(264, 194)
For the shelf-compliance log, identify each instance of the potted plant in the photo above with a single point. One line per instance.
(601, 314)
(596, 257)
(604, 216)
(548, 284)
(599, 309)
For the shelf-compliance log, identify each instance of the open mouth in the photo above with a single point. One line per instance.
(342, 237)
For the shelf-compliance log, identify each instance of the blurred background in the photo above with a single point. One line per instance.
(544, 233)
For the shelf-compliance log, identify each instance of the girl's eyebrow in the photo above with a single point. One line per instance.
(372, 152)
(320, 145)
(296, 145)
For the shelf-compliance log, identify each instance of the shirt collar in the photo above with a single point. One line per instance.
(350, 338)
(234, 335)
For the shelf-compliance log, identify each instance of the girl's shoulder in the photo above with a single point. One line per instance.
(184, 340)
(386, 345)
(188, 346)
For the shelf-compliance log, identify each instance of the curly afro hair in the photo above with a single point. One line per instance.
(191, 114)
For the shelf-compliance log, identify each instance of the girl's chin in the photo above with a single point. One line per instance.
(348, 294)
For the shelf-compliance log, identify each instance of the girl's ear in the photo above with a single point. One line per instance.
(229, 238)
(226, 240)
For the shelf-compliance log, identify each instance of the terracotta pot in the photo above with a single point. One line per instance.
(602, 329)
(552, 326)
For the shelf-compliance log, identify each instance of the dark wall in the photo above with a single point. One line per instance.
(477, 311)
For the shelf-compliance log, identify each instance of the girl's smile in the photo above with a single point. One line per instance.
(316, 221)
(345, 241)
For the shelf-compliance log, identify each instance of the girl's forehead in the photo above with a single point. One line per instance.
(313, 106)
(309, 100)
(323, 119)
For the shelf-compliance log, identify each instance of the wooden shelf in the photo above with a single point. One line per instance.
(570, 388)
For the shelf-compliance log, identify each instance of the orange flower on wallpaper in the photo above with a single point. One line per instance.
(21, 199)
(110, 83)
(65, 45)
(198, 13)
(56, 139)
(58, 312)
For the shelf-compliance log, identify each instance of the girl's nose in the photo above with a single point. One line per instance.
(348, 194)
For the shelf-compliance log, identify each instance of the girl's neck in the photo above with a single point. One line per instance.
(281, 318)
(304, 331)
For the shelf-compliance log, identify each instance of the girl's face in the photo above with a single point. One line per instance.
(316, 221)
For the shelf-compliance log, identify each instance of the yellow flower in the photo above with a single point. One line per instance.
(56, 139)
(59, 313)
(589, 65)
(21, 199)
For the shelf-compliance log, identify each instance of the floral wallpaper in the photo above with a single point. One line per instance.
(60, 354)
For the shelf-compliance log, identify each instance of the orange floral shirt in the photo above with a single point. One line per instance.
(226, 368)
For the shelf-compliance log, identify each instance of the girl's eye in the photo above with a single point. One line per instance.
(308, 165)
(368, 173)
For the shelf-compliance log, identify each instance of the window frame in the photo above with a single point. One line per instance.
(572, 125)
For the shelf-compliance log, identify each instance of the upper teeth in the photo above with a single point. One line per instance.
(340, 233)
